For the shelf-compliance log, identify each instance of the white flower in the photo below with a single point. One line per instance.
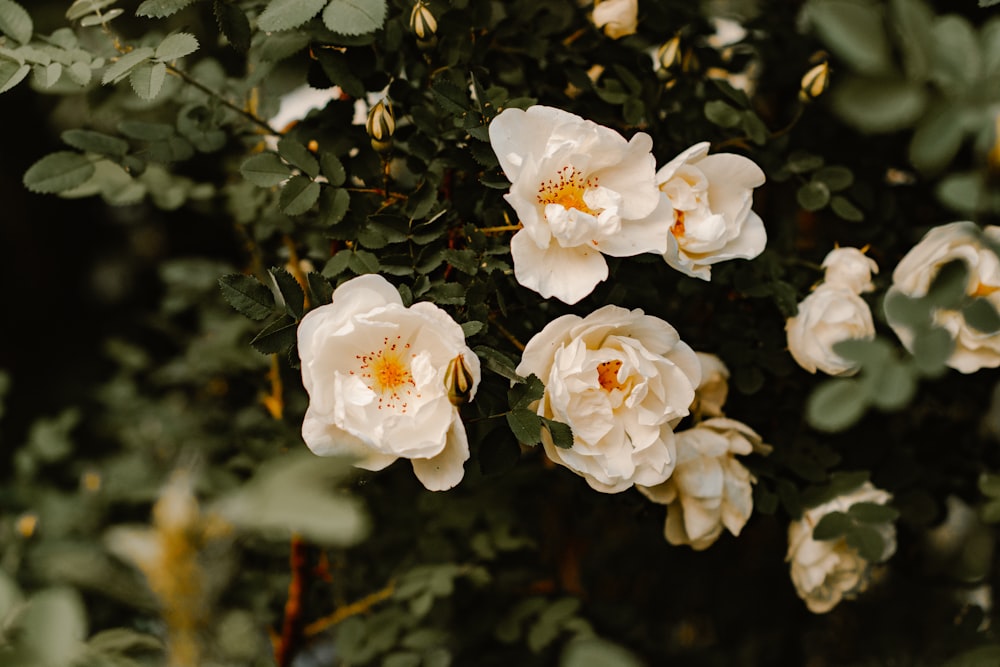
(711, 393)
(622, 380)
(376, 373)
(707, 200)
(916, 271)
(710, 489)
(826, 571)
(580, 190)
(850, 268)
(618, 18)
(829, 315)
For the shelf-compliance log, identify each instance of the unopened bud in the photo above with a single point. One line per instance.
(669, 53)
(458, 380)
(815, 81)
(381, 125)
(422, 21)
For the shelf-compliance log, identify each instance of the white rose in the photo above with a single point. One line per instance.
(707, 200)
(376, 374)
(709, 489)
(622, 380)
(826, 571)
(618, 18)
(829, 315)
(580, 190)
(916, 271)
(850, 268)
(711, 393)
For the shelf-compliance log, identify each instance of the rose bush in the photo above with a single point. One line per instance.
(622, 380)
(377, 375)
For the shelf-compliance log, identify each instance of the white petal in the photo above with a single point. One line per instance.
(568, 274)
(445, 470)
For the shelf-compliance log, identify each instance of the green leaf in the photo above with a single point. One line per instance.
(561, 434)
(95, 142)
(813, 196)
(362, 262)
(47, 75)
(879, 105)
(81, 8)
(832, 526)
(333, 205)
(932, 348)
(800, 162)
(981, 315)
(332, 168)
(754, 127)
(873, 513)
(121, 641)
(298, 156)
(12, 73)
(147, 79)
(298, 195)
(525, 392)
(947, 290)
(247, 295)
(276, 337)
(525, 425)
(855, 31)
(355, 17)
(288, 14)
(835, 178)
(868, 541)
(963, 192)
(57, 172)
(320, 288)
(234, 24)
(265, 170)
(450, 97)
(158, 9)
(844, 209)
(596, 652)
(498, 362)
(123, 66)
(893, 386)
(176, 46)
(722, 114)
(989, 484)
(340, 70)
(290, 291)
(54, 626)
(836, 405)
(15, 22)
(912, 20)
(80, 73)
(938, 138)
(137, 129)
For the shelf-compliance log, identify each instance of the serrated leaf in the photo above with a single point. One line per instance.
(835, 405)
(561, 434)
(332, 168)
(47, 75)
(334, 205)
(12, 73)
(498, 362)
(320, 288)
(873, 513)
(121, 68)
(464, 260)
(276, 337)
(525, 425)
(57, 172)
(83, 7)
(362, 262)
(355, 17)
(95, 142)
(525, 392)
(176, 46)
(158, 9)
(290, 291)
(147, 79)
(80, 73)
(265, 170)
(832, 526)
(299, 156)
(15, 22)
(449, 294)
(288, 14)
(101, 19)
(298, 195)
(450, 97)
(472, 327)
(234, 24)
(247, 295)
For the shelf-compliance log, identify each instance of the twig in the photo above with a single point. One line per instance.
(353, 609)
(259, 122)
(291, 629)
(506, 334)
(500, 229)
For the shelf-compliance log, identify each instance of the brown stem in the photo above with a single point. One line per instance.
(353, 609)
(259, 122)
(291, 629)
(506, 334)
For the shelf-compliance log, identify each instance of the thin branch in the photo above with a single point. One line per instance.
(506, 334)
(353, 609)
(500, 229)
(259, 122)
(291, 629)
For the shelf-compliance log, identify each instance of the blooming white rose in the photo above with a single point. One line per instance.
(850, 268)
(618, 18)
(826, 571)
(580, 190)
(707, 200)
(711, 393)
(709, 489)
(829, 315)
(622, 380)
(377, 374)
(916, 271)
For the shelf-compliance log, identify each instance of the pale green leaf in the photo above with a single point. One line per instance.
(354, 17)
(101, 19)
(596, 652)
(80, 73)
(288, 14)
(855, 31)
(95, 142)
(836, 405)
(15, 22)
(123, 66)
(147, 79)
(81, 8)
(57, 172)
(157, 9)
(54, 626)
(12, 73)
(879, 105)
(46, 76)
(176, 46)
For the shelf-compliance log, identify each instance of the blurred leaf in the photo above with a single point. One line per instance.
(873, 512)
(982, 656)
(855, 31)
(845, 209)
(868, 541)
(722, 114)
(832, 526)
(53, 626)
(596, 652)
(58, 172)
(95, 142)
(355, 17)
(158, 9)
(15, 22)
(813, 196)
(947, 290)
(234, 25)
(333, 205)
(287, 14)
(835, 405)
(879, 105)
(932, 348)
(938, 138)
(834, 178)
(332, 168)
(247, 295)
(981, 315)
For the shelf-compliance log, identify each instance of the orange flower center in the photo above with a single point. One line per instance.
(607, 375)
(387, 373)
(567, 190)
(984, 290)
(678, 229)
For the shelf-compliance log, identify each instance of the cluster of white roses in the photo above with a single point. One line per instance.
(834, 312)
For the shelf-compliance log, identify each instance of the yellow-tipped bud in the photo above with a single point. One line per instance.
(422, 21)
(815, 81)
(458, 380)
(381, 125)
(669, 54)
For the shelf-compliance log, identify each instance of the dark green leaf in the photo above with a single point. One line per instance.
(472, 327)
(868, 541)
(873, 513)
(931, 349)
(722, 114)
(981, 656)
(95, 142)
(498, 362)
(835, 178)
(333, 205)
(298, 195)
(561, 434)
(525, 392)
(832, 526)
(754, 127)
(525, 425)
(498, 455)
(298, 155)
(337, 67)
(137, 129)
(247, 295)
(989, 484)
(948, 287)
(288, 14)
(813, 196)
(844, 209)
(855, 31)
(362, 261)
(15, 22)
(451, 98)
(234, 24)
(158, 9)
(332, 168)
(464, 260)
(276, 337)
(290, 291)
(355, 17)
(981, 315)
(450, 294)
(836, 405)
(265, 170)
(58, 172)
(320, 289)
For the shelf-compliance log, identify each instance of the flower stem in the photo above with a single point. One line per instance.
(291, 629)
(353, 609)
(500, 229)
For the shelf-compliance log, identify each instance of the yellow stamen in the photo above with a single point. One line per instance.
(607, 375)
(567, 190)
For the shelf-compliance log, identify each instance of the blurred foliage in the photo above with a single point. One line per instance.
(159, 508)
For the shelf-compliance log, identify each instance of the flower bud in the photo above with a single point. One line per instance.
(381, 125)
(459, 381)
(422, 21)
(669, 54)
(815, 81)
